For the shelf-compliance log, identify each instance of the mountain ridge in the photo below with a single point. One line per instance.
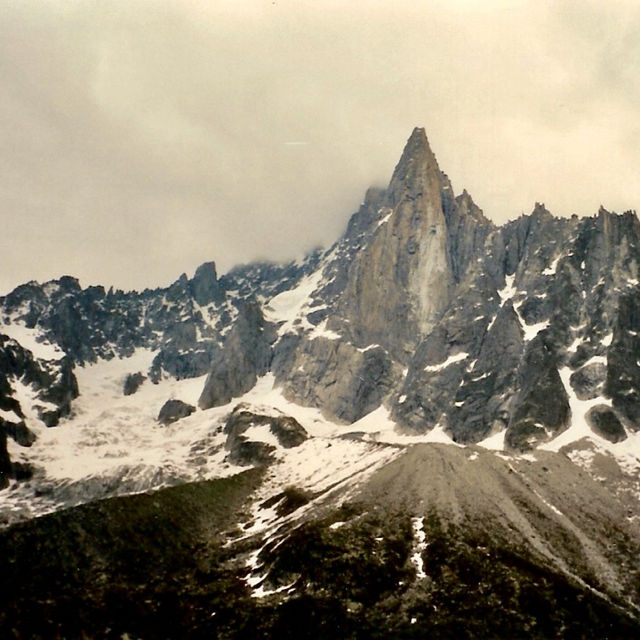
(430, 379)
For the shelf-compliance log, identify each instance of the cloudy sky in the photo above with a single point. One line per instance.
(143, 137)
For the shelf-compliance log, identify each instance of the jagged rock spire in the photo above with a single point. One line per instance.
(417, 168)
(403, 277)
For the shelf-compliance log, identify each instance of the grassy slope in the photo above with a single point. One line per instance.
(139, 564)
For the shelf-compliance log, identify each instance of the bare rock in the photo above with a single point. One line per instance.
(588, 381)
(403, 277)
(246, 451)
(204, 285)
(132, 383)
(246, 355)
(173, 410)
(541, 405)
(604, 421)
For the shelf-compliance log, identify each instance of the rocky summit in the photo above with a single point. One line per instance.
(431, 429)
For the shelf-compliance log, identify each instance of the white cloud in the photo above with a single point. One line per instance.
(142, 138)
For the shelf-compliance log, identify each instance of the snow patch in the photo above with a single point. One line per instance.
(551, 269)
(321, 331)
(291, 307)
(368, 348)
(532, 330)
(494, 442)
(32, 340)
(547, 503)
(9, 415)
(578, 427)
(385, 218)
(420, 544)
(448, 362)
(509, 290)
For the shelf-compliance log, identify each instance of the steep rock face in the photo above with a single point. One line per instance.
(404, 276)
(345, 381)
(541, 407)
(564, 283)
(205, 287)
(246, 355)
(467, 230)
(382, 289)
(483, 401)
(623, 358)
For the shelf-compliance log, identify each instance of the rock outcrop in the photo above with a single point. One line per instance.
(248, 435)
(132, 383)
(174, 410)
(204, 285)
(246, 356)
(404, 277)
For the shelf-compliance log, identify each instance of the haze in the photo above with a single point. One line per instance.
(141, 138)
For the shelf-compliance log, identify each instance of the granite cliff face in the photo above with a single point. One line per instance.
(403, 276)
(428, 309)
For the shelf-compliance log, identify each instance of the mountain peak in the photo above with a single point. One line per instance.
(417, 147)
(418, 135)
(417, 170)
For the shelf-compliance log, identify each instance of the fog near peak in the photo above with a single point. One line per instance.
(143, 138)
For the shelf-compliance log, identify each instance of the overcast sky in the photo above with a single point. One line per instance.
(143, 137)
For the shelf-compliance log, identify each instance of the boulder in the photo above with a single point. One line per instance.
(173, 410)
(588, 381)
(132, 383)
(604, 421)
(246, 451)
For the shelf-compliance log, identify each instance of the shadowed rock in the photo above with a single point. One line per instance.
(174, 410)
(132, 383)
(542, 404)
(245, 451)
(588, 381)
(605, 423)
(205, 286)
(246, 356)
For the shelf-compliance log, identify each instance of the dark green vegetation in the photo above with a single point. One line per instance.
(151, 565)
(155, 566)
(358, 581)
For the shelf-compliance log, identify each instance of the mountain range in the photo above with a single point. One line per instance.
(431, 429)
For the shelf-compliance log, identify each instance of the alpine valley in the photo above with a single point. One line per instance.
(431, 429)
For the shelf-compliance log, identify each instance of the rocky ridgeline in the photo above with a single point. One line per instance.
(427, 307)
(184, 324)
(423, 306)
